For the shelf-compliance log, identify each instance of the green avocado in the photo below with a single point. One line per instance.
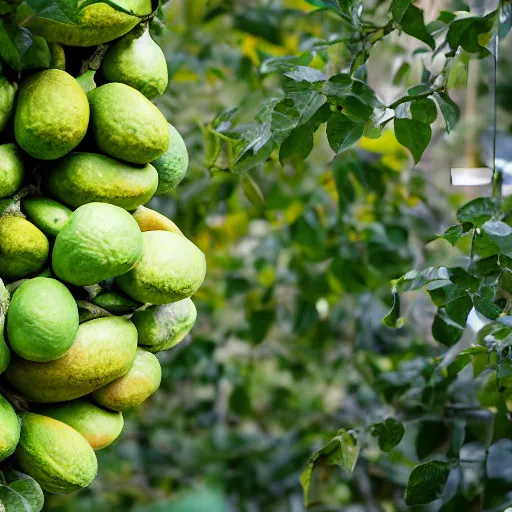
(163, 327)
(10, 431)
(172, 268)
(7, 95)
(52, 114)
(91, 25)
(103, 350)
(130, 390)
(54, 454)
(48, 215)
(42, 320)
(126, 125)
(99, 426)
(173, 164)
(23, 248)
(11, 170)
(100, 241)
(136, 60)
(82, 178)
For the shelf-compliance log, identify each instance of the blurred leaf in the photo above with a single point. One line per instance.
(414, 135)
(424, 110)
(342, 451)
(393, 318)
(399, 8)
(450, 321)
(389, 432)
(449, 109)
(426, 482)
(252, 191)
(305, 74)
(261, 320)
(466, 32)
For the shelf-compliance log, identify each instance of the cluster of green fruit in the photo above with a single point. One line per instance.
(81, 162)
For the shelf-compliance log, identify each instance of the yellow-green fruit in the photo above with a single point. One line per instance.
(173, 164)
(99, 426)
(7, 95)
(135, 387)
(57, 56)
(10, 429)
(23, 248)
(85, 26)
(115, 303)
(100, 241)
(54, 454)
(48, 215)
(126, 125)
(163, 327)
(82, 178)
(172, 268)
(136, 60)
(11, 170)
(42, 320)
(52, 114)
(5, 353)
(149, 220)
(103, 350)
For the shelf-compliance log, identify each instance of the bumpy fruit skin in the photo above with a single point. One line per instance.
(10, 429)
(52, 114)
(7, 95)
(100, 241)
(82, 178)
(115, 303)
(42, 320)
(48, 215)
(91, 26)
(135, 387)
(11, 170)
(99, 426)
(58, 56)
(136, 60)
(103, 350)
(172, 268)
(54, 454)
(163, 327)
(149, 220)
(173, 164)
(126, 125)
(5, 353)
(23, 248)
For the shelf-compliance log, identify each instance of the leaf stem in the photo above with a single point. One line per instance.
(405, 99)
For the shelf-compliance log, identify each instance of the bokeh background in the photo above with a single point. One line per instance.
(289, 345)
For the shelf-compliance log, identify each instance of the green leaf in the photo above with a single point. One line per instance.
(501, 234)
(20, 49)
(449, 109)
(426, 482)
(454, 233)
(252, 191)
(393, 318)
(342, 132)
(486, 307)
(467, 32)
(414, 135)
(399, 8)
(478, 211)
(260, 322)
(27, 487)
(450, 321)
(305, 74)
(412, 23)
(424, 110)
(342, 451)
(86, 81)
(389, 433)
